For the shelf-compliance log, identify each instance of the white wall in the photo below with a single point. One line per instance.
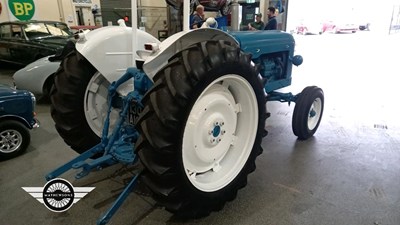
(50, 10)
(4, 13)
(152, 3)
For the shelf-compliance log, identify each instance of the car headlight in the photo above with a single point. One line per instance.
(33, 103)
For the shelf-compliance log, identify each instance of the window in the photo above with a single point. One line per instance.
(83, 1)
(42, 30)
(16, 31)
(5, 31)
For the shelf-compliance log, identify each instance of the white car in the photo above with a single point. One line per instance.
(37, 77)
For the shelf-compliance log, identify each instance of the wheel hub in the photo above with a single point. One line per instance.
(216, 133)
(223, 114)
(10, 141)
(314, 113)
(95, 104)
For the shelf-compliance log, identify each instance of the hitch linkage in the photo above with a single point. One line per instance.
(117, 147)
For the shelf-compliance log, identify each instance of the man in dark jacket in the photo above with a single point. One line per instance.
(272, 24)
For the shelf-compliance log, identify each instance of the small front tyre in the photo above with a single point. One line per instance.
(14, 139)
(308, 111)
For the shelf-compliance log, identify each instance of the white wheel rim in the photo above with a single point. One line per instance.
(314, 114)
(10, 141)
(220, 132)
(95, 104)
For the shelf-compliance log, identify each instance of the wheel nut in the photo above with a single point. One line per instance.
(222, 123)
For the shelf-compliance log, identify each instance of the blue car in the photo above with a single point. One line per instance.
(17, 117)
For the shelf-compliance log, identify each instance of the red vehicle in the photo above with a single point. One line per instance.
(339, 27)
(309, 27)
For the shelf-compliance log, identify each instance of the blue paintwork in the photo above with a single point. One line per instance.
(119, 146)
(272, 51)
(262, 42)
(263, 47)
(121, 198)
(17, 105)
(216, 131)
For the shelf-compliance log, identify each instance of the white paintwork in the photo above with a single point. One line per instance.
(178, 42)
(33, 76)
(109, 49)
(186, 15)
(210, 23)
(212, 160)
(316, 107)
(134, 28)
(95, 104)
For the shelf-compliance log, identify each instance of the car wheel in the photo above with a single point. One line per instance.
(14, 139)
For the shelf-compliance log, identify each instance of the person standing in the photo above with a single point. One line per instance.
(258, 24)
(198, 17)
(272, 23)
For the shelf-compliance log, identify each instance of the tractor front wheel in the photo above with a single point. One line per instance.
(307, 112)
(201, 128)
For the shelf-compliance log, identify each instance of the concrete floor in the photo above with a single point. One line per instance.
(349, 173)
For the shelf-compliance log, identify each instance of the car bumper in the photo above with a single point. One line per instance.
(36, 124)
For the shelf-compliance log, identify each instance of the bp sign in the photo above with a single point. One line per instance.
(22, 9)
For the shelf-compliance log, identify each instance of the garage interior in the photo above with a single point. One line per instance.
(347, 173)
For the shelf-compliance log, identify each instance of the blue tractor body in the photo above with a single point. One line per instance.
(271, 50)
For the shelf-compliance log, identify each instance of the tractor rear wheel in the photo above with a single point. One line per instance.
(307, 112)
(78, 102)
(201, 128)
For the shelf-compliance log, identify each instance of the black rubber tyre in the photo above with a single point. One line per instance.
(14, 139)
(308, 112)
(162, 125)
(48, 85)
(67, 102)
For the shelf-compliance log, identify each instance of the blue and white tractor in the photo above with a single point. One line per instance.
(190, 110)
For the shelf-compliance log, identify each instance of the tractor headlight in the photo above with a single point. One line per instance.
(297, 60)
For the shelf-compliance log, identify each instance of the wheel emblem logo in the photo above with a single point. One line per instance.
(58, 195)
